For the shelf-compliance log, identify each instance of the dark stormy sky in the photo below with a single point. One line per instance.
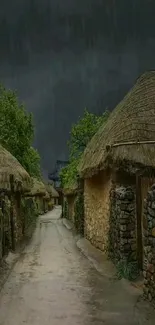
(65, 55)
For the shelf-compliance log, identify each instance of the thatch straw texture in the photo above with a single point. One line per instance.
(71, 190)
(47, 196)
(55, 194)
(38, 188)
(9, 165)
(52, 191)
(132, 121)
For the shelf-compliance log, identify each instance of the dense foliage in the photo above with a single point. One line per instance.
(79, 213)
(81, 133)
(17, 131)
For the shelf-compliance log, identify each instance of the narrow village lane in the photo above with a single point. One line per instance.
(53, 283)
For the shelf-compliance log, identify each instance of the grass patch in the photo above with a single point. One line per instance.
(127, 270)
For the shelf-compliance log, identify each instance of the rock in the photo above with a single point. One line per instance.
(125, 215)
(149, 275)
(146, 241)
(144, 274)
(150, 297)
(134, 247)
(149, 218)
(153, 242)
(153, 205)
(130, 226)
(151, 212)
(123, 241)
(132, 234)
(123, 227)
(123, 221)
(149, 196)
(153, 187)
(150, 257)
(145, 204)
(145, 223)
(150, 268)
(146, 281)
(146, 290)
(150, 225)
(127, 247)
(153, 232)
(133, 256)
(130, 207)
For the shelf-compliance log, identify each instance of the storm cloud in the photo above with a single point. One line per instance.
(63, 56)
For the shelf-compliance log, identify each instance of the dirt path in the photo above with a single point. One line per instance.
(53, 283)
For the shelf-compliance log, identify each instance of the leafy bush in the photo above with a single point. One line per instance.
(127, 270)
(81, 133)
(17, 131)
(68, 174)
(65, 209)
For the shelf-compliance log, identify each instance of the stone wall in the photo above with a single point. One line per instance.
(71, 207)
(79, 212)
(5, 225)
(25, 213)
(97, 209)
(149, 245)
(122, 234)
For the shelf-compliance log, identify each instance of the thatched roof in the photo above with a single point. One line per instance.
(129, 134)
(47, 196)
(52, 191)
(9, 165)
(71, 189)
(38, 188)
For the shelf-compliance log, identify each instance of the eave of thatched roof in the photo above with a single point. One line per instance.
(47, 196)
(38, 188)
(10, 166)
(70, 189)
(55, 194)
(128, 132)
(52, 191)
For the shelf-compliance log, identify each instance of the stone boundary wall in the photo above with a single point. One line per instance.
(122, 233)
(149, 245)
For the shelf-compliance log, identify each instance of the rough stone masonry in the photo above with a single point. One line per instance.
(122, 235)
(149, 245)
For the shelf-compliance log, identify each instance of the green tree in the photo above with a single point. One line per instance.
(17, 130)
(81, 133)
(31, 162)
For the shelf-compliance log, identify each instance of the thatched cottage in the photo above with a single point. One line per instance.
(46, 199)
(73, 205)
(14, 182)
(70, 194)
(38, 192)
(53, 196)
(118, 168)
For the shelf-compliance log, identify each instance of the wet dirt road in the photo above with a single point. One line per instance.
(53, 283)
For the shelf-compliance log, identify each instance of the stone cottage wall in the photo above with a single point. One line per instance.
(71, 207)
(79, 212)
(5, 226)
(97, 209)
(122, 232)
(149, 245)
